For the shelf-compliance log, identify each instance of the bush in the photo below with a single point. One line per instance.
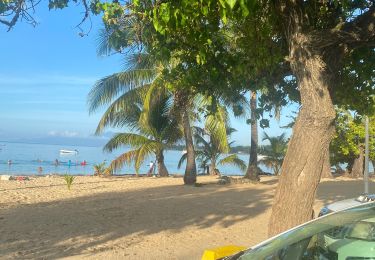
(69, 180)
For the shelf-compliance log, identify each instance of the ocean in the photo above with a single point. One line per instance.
(27, 158)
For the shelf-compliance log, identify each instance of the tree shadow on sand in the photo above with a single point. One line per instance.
(345, 189)
(69, 227)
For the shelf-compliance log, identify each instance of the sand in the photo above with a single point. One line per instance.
(138, 218)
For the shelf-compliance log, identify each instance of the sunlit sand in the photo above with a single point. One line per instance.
(138, 218)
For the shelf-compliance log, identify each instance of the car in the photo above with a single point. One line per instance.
(348, 234)
(348, 203)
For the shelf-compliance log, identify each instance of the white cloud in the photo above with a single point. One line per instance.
(63, 133)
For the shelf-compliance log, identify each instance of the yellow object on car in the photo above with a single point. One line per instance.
(220, 252)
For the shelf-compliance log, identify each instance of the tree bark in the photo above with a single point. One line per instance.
(212, 167)
(190, 176)
(326, 171)
(162, 170)
(252, 169)
(358, 166)
(312, 132)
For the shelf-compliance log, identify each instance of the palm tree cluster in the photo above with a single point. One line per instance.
(157, 116)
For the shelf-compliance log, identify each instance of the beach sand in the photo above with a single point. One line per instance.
(138, 218)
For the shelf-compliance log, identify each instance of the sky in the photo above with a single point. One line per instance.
(46, 73)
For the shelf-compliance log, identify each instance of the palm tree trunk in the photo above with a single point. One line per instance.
(190, 176)
(212, 167)
(162, 170)
(252, 169)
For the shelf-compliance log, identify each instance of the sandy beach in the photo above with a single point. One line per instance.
(138, 218)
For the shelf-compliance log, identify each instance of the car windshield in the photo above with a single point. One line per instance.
(349, 234)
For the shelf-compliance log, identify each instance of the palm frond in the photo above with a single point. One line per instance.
(108, 88)
(182, 160)
(122, 139)
(216, 124)
(123, 159)
(125, 111)
(234, 160)
(144, 151)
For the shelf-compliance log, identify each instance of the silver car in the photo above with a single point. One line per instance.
(345, 235)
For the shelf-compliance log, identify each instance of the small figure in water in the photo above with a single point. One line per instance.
(56, 162)
(84, 163)
(69, 163)
(9, 162)
(40, 170)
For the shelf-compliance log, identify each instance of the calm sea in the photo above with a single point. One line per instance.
(27, 158)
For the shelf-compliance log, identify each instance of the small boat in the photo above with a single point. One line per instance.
(68, 151)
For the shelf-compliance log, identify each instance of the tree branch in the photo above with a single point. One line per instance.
(350, 35)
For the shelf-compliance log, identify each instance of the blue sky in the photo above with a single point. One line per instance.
(46, 73)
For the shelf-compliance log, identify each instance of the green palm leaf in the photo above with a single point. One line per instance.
(121, 139)
(108, 88)
(234, 160)
(125, 111)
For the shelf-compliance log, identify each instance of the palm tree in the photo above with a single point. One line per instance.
(274, 152)
(142, 69)
(210, 151)
(252, 169)
(100, 169)
(156, 130)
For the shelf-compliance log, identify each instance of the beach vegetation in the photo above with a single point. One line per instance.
(348, 144)
(100, 169)
(319, 53)
(273, 153)
(211, 150)
(69, 179)
(154, 130)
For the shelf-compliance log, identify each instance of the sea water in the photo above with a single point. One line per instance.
(27, 158)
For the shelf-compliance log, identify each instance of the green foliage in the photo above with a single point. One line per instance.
(274, 152)
(100, 169)
(69, 180)
(210, 149)
(156, 128)
(350, 136)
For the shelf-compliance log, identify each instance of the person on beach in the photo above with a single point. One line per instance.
(151, 169)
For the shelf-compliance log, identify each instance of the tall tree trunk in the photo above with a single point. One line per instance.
(326, 171)
(252, 169)
(182, 102)
(190, 176)
(312, 132)
(212, 167)
(358, 166)
(162, 170)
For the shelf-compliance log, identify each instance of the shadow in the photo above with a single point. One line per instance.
(73, 226)
(344, 189)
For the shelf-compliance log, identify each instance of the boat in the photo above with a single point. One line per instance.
(62, 151)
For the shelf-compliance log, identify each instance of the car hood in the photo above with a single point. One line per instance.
(343, 204)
